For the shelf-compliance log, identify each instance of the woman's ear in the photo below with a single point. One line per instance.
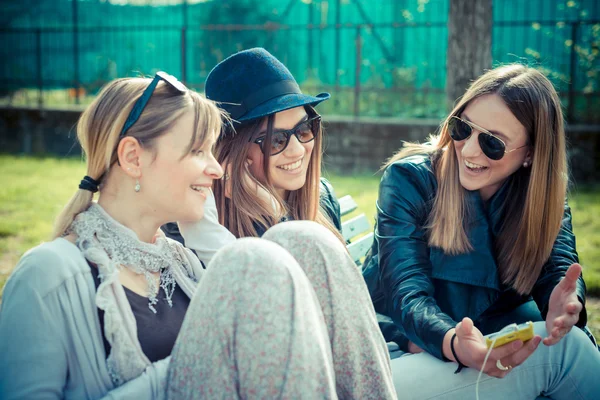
(129, 153)
(248, 165)
(529, 156)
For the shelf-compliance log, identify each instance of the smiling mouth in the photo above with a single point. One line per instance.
(291, 167)
(200, 189)
(474, 167)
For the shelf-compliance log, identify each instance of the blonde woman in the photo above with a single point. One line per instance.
(97, 311)
(474, 227)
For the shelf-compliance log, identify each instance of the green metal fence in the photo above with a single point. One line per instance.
(377, 58)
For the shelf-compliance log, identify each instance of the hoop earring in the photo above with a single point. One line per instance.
(137, 186)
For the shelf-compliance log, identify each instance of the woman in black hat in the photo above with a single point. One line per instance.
(272, 151)
(277, 137)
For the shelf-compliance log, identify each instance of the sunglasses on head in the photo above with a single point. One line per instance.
(492, 146)
(141, 103)
(305, 131)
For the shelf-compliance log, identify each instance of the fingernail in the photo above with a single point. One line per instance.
(517, 345)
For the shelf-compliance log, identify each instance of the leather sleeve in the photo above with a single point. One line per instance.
(330, 205)
(405, 196)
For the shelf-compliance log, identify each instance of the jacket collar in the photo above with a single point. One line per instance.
(478, 267)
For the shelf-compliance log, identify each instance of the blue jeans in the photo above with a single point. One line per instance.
(568, 370)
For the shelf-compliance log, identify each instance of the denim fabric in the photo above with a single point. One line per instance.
(567, 370)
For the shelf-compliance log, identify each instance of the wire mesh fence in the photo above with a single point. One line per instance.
(377, 58)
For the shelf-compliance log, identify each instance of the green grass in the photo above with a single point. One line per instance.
(34, 190)
(585, 206)
(32, 193)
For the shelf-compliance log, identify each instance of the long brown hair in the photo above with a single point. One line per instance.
(534, 204)
(99, 128)
(243, 209)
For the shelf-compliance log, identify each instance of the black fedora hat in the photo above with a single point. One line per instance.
(253, 84)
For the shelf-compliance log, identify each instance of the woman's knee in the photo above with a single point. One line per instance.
(304, 236)
(576, 336)
(251, 260)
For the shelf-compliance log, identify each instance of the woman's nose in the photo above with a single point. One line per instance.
(294, 147)
(471, 146)
(214, 169)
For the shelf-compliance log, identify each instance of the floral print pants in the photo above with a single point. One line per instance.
(286, 316)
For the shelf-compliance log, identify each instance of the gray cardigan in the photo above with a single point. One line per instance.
(50, 340)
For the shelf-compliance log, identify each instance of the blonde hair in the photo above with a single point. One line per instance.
(534, 204)
(240, 212)
(100, 125)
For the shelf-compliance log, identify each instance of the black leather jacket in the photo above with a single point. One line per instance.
(421, 292)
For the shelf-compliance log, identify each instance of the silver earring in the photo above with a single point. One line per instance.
(525, 164)
(137, 186)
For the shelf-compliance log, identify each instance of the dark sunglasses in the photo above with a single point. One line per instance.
(305, 131)
(492, 146)
(141, 103)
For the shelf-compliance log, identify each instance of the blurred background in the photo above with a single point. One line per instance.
(393, 68)
(379, 58)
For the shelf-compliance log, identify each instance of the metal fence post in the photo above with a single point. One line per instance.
(38, 61)
(76, 51)
(358, 41)
(184, 44)
(337, 51)
(311, 13)
(573, 69)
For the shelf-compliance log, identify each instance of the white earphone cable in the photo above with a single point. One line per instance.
(483, 366)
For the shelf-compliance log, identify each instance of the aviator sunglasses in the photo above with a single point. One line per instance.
(492, 146)
(305, 131)
(141, 103)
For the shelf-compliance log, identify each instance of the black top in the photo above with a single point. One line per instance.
(156, 332)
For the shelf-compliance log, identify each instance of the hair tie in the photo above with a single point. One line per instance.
(461, 366)
(90, 184)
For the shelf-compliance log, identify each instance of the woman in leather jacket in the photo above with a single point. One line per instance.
(473, 230)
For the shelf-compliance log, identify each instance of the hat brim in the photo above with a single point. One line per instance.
(283, 103)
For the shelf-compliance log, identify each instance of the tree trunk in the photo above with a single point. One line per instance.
(469, 45)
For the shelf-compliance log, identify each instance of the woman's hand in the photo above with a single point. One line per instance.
(471, 350)
(563, 307)
(413, 348)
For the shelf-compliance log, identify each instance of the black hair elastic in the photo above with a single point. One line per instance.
(460, 365)
(90, 184)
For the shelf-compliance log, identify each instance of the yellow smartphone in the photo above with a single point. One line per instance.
(510, 333)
